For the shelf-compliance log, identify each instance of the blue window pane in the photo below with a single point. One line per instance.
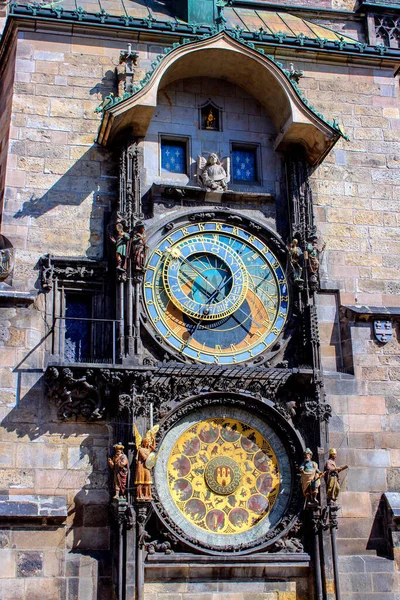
(244, 165)
(77, 337)
(173, 157)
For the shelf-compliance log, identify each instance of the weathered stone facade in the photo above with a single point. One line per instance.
(60, 188)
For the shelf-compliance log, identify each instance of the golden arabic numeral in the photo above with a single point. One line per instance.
(251, 238)
(216, 360)
(184, 231)
(282, 280)
(168, 334)
(150, 302)
(157, 319)
(218, 226)
(281, 314)
(275, 264)
(200, 226)
(147, 284)
(275, 331)
(235, 231)
(285, 298)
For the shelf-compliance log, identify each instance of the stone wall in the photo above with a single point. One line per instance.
(6, 90)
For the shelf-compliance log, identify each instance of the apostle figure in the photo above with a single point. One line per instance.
(120, 465)
(145, 460)
(310, 477)
(332, 477)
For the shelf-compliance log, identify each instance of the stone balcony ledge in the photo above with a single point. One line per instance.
(31, 506)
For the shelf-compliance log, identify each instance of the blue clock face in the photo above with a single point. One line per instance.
(216, 293)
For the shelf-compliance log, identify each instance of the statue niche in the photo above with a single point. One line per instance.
(213, 174)
(210, 117)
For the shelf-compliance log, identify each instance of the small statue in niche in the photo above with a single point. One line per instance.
(314, 250)
(211, 121)
(120, 466)
(138, 247)
(120, 239)
(145, 461)
(331, 475)
(310, 477)
(213, 174)
(296, 257)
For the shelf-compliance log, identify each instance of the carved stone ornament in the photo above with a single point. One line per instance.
(383, 331)
(69, 269)
(213, 175)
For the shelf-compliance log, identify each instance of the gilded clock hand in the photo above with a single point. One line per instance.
(214, 294)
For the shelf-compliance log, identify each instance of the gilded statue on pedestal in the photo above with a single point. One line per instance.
(331, 475)
(120, 465)
(213, 174)
(310, 477)
(145, 460)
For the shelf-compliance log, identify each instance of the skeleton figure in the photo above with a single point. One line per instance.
(212, 174)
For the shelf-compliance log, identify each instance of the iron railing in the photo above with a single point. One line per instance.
(83, 340)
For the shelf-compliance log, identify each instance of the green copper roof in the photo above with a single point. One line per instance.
(276, 22)
(156, 11)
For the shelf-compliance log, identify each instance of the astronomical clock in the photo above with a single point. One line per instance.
(216, 299)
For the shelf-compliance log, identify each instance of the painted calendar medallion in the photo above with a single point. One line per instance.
(227, 489)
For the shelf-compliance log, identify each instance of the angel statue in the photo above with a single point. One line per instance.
(145, 460)
(213, 174)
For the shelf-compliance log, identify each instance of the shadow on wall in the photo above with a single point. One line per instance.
(90, 185)
(59, 458)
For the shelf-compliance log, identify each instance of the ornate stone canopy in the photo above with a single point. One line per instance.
(223, 56)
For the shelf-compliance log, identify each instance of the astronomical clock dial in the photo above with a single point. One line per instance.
(216, 293)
